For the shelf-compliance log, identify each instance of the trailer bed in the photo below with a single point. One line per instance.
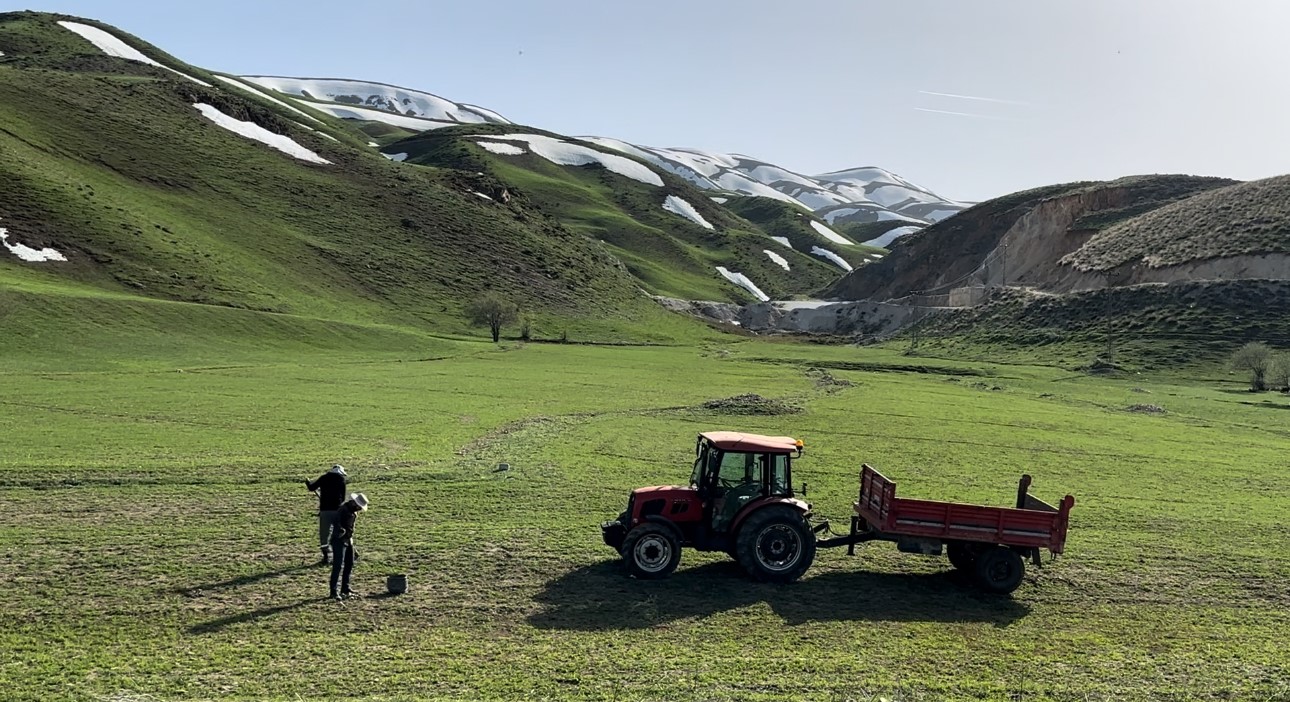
(1032, 524)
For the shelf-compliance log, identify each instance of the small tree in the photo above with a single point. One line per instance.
(1279, 373)
(494, 311)
(1255, 357)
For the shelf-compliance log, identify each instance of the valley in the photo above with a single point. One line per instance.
(214, 286)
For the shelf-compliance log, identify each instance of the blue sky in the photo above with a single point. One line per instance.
(1077, 89)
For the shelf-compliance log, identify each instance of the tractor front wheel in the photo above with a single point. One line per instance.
(775, 545)
(999, 569)
(651, 551)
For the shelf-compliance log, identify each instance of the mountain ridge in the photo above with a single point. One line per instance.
(709, 170)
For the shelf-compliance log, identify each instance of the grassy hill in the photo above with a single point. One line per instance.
(1177, 327)
(1242, 219)
(1021, 237)
(669, 254)
(108, 161)
(779, 218)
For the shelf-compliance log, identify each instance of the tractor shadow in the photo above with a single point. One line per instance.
(601, 597)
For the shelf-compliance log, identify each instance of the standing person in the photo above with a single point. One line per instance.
(342, 543)
(330, 488)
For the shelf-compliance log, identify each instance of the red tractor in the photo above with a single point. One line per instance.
(740, 500)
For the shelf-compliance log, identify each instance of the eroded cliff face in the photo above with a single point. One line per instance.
(1020, 241)
(1029, 252)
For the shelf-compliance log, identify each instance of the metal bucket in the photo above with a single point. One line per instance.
(397, 584)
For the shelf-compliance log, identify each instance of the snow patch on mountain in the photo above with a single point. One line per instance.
(830, 234)
(113, 46)
(741, 183)
(742, 281)
(678, 206)
(364, 114)
(825, 253)
(503, 149)
(779, 260)
(567, 154)
(261, 94)
(891, 235)
(251, 130)
(938, 215)
(868, 192)
(27, 253)
(617, 145)
(381, 97)
(862, 213)
(398, 158)
(783, 240)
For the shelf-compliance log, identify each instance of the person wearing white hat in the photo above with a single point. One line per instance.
(342, 543)
(330, 489)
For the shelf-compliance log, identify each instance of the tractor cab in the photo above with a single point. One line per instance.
(739, 500)
(733, 469)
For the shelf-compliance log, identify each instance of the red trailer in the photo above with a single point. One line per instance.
(989, 543)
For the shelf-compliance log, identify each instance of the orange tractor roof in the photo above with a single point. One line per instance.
(739, 441)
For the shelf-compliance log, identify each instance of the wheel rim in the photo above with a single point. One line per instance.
(779, 547)
(652, 553)
(999, 571)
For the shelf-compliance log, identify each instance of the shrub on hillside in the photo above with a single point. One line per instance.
(1279, 373)
(1255, 357)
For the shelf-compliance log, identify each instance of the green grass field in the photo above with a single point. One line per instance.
(156, 541)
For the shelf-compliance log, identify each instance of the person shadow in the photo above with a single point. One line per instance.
(244, 581)
(602, 597)
(240, 581)
(216, 625)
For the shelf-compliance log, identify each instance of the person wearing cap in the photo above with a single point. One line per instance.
(330, 488)
(342, 543)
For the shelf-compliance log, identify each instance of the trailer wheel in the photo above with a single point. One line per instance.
(962, 555)
(775, 545)
(999, 570)
(651, 551)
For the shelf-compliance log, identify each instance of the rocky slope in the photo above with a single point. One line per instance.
(1035, 239)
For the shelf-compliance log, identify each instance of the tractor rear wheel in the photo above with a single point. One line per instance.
(651, 551)
(999, 569)
(962, 555)
(775, 545)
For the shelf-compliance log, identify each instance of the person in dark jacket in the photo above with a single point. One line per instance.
(342, 543)
(330, 488)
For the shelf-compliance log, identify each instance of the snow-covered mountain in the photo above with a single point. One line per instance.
(857, 195)
(368, 98)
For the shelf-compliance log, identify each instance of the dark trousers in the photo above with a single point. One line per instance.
(326, 518)
(342, 563)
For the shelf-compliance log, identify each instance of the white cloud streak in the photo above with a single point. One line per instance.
(960, 114)
(974, 97)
